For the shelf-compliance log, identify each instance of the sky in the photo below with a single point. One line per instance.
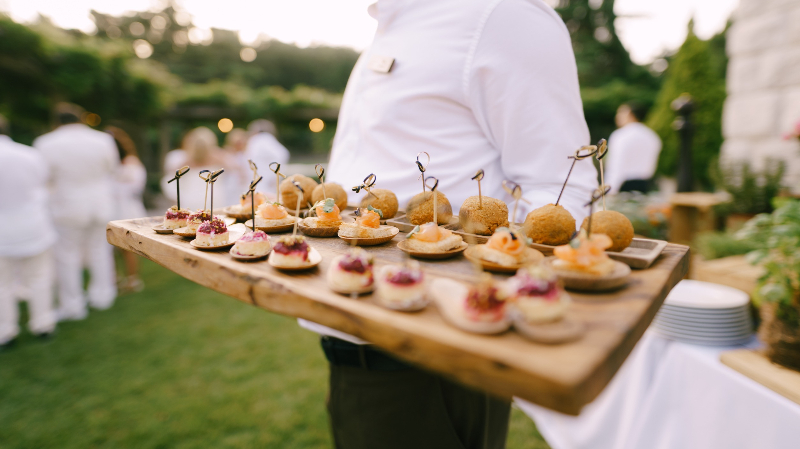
(647, 28)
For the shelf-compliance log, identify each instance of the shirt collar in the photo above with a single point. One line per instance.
(384, 11)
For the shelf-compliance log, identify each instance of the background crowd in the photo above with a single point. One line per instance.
(58, 197)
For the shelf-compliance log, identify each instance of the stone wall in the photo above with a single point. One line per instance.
(764, 84)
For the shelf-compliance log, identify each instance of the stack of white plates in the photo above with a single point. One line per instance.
(706, 314)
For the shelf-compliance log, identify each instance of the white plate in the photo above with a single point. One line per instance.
(726, 342)
(701, 314)
(700, 323)
(726, 311)
(698, 336)
(741, 330)
(705, 295)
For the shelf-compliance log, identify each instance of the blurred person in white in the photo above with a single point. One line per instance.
(237, 173)
(477, 84)
(26, 239)
(129, 182)
(633, 151)
(82, 163)
(200, 152)
(263, 148)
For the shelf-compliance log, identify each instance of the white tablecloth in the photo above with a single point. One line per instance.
(675, 395)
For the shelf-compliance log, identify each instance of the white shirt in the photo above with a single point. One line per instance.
(632, 154)
(264, 149)
(25, 225)
(82, 165)
(478, 85)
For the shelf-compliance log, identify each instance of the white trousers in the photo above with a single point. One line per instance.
(35, 275)
(78, 247)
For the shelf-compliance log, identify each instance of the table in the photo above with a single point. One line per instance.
(675, 395)
(562, 377)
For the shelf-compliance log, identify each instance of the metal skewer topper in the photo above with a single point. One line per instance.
(596, 195)
(278, 174)
(422, 168)
(478, 177)
(602, 150)
(321, 175)
(204, 175)
(433, 192)
(367, 184)
(581, 153)
(178, 173)
(252, 193)
(513, 189)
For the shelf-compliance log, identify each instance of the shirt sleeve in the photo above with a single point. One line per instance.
(521, 83)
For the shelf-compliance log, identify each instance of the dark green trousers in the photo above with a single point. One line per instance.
(411, 409)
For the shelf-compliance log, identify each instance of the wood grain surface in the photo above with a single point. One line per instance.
(756, 366)
(561, 377)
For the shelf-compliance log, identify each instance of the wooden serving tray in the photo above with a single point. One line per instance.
(561, 377)
(756, 366)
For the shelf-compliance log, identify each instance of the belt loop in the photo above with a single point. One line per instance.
(362, 357)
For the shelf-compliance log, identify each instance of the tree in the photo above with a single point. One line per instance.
(39, 69)
(606, 73)
(695, 69)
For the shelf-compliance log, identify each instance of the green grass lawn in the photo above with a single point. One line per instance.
(176, 366)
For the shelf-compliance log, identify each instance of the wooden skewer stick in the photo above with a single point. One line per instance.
(297, 210)
(321, 174)
(278, 174)
(478, 176)
(591, 149)
(433, 192)
(254, 168)
(515, 191)
(598, 193)
(178, 173)
(252, 193)
(422, 168)
(212, 179)
(204, 175)
(602, 150)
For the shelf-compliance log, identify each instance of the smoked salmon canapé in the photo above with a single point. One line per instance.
(367, 225)
(432, 238)
(327, 215)
(585, 254)
(273, 214)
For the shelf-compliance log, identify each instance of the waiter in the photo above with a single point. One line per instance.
(477, 84)
(26, 238)
(82, 163)
(634, 151)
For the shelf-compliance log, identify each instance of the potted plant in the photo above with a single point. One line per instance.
(777, 236)
(751, 191)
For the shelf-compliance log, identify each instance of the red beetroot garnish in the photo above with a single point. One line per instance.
(405, 277)
(484, 299)
(536, 287)
(200, 216)
(354, 264)
(300, 247)
(173, 214)
(215, 226)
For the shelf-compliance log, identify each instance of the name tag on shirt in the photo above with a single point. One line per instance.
(381, 64)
